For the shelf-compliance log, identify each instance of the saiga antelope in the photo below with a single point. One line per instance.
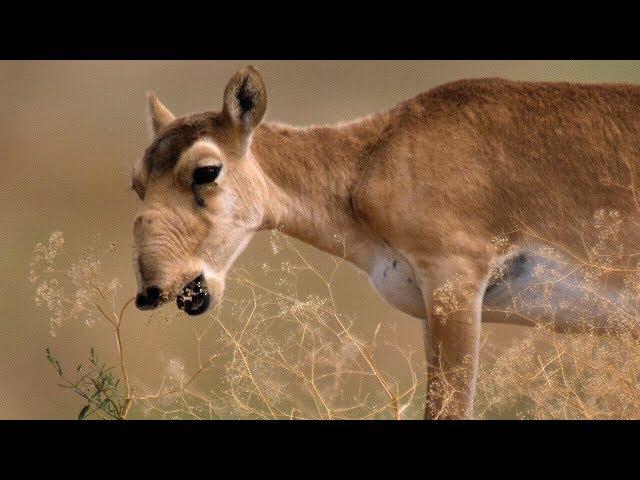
(420, 192)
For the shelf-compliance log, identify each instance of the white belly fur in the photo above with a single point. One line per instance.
(393, 278)
(395, 281)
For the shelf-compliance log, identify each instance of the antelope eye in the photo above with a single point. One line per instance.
(204, 175)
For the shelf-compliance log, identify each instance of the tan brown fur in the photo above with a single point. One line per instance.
(429, 183)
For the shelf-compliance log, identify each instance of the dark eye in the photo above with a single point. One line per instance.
(204, 175)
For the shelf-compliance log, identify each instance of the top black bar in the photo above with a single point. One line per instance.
(404, 35)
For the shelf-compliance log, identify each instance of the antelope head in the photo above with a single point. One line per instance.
(203, 197)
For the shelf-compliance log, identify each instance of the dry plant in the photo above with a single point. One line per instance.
(273, 350)
(582, 358)
(555, 376)
(594, 374)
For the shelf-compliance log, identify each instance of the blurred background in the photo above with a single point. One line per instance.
(69, 133)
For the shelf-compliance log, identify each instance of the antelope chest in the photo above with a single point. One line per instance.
(393, 278)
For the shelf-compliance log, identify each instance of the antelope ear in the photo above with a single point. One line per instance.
(159, 115)
(245, 98)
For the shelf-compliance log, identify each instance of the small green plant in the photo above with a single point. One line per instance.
(96, 385)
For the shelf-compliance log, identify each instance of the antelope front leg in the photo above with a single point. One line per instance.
(453, 300)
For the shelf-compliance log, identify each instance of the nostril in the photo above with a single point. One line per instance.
(153, 294)
(149, 301)
(141, 301)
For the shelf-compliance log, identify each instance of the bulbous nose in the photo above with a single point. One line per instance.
(149, 299)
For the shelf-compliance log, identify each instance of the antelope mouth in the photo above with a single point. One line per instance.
(194, 298)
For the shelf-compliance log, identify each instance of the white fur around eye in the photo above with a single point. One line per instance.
(202, 153)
